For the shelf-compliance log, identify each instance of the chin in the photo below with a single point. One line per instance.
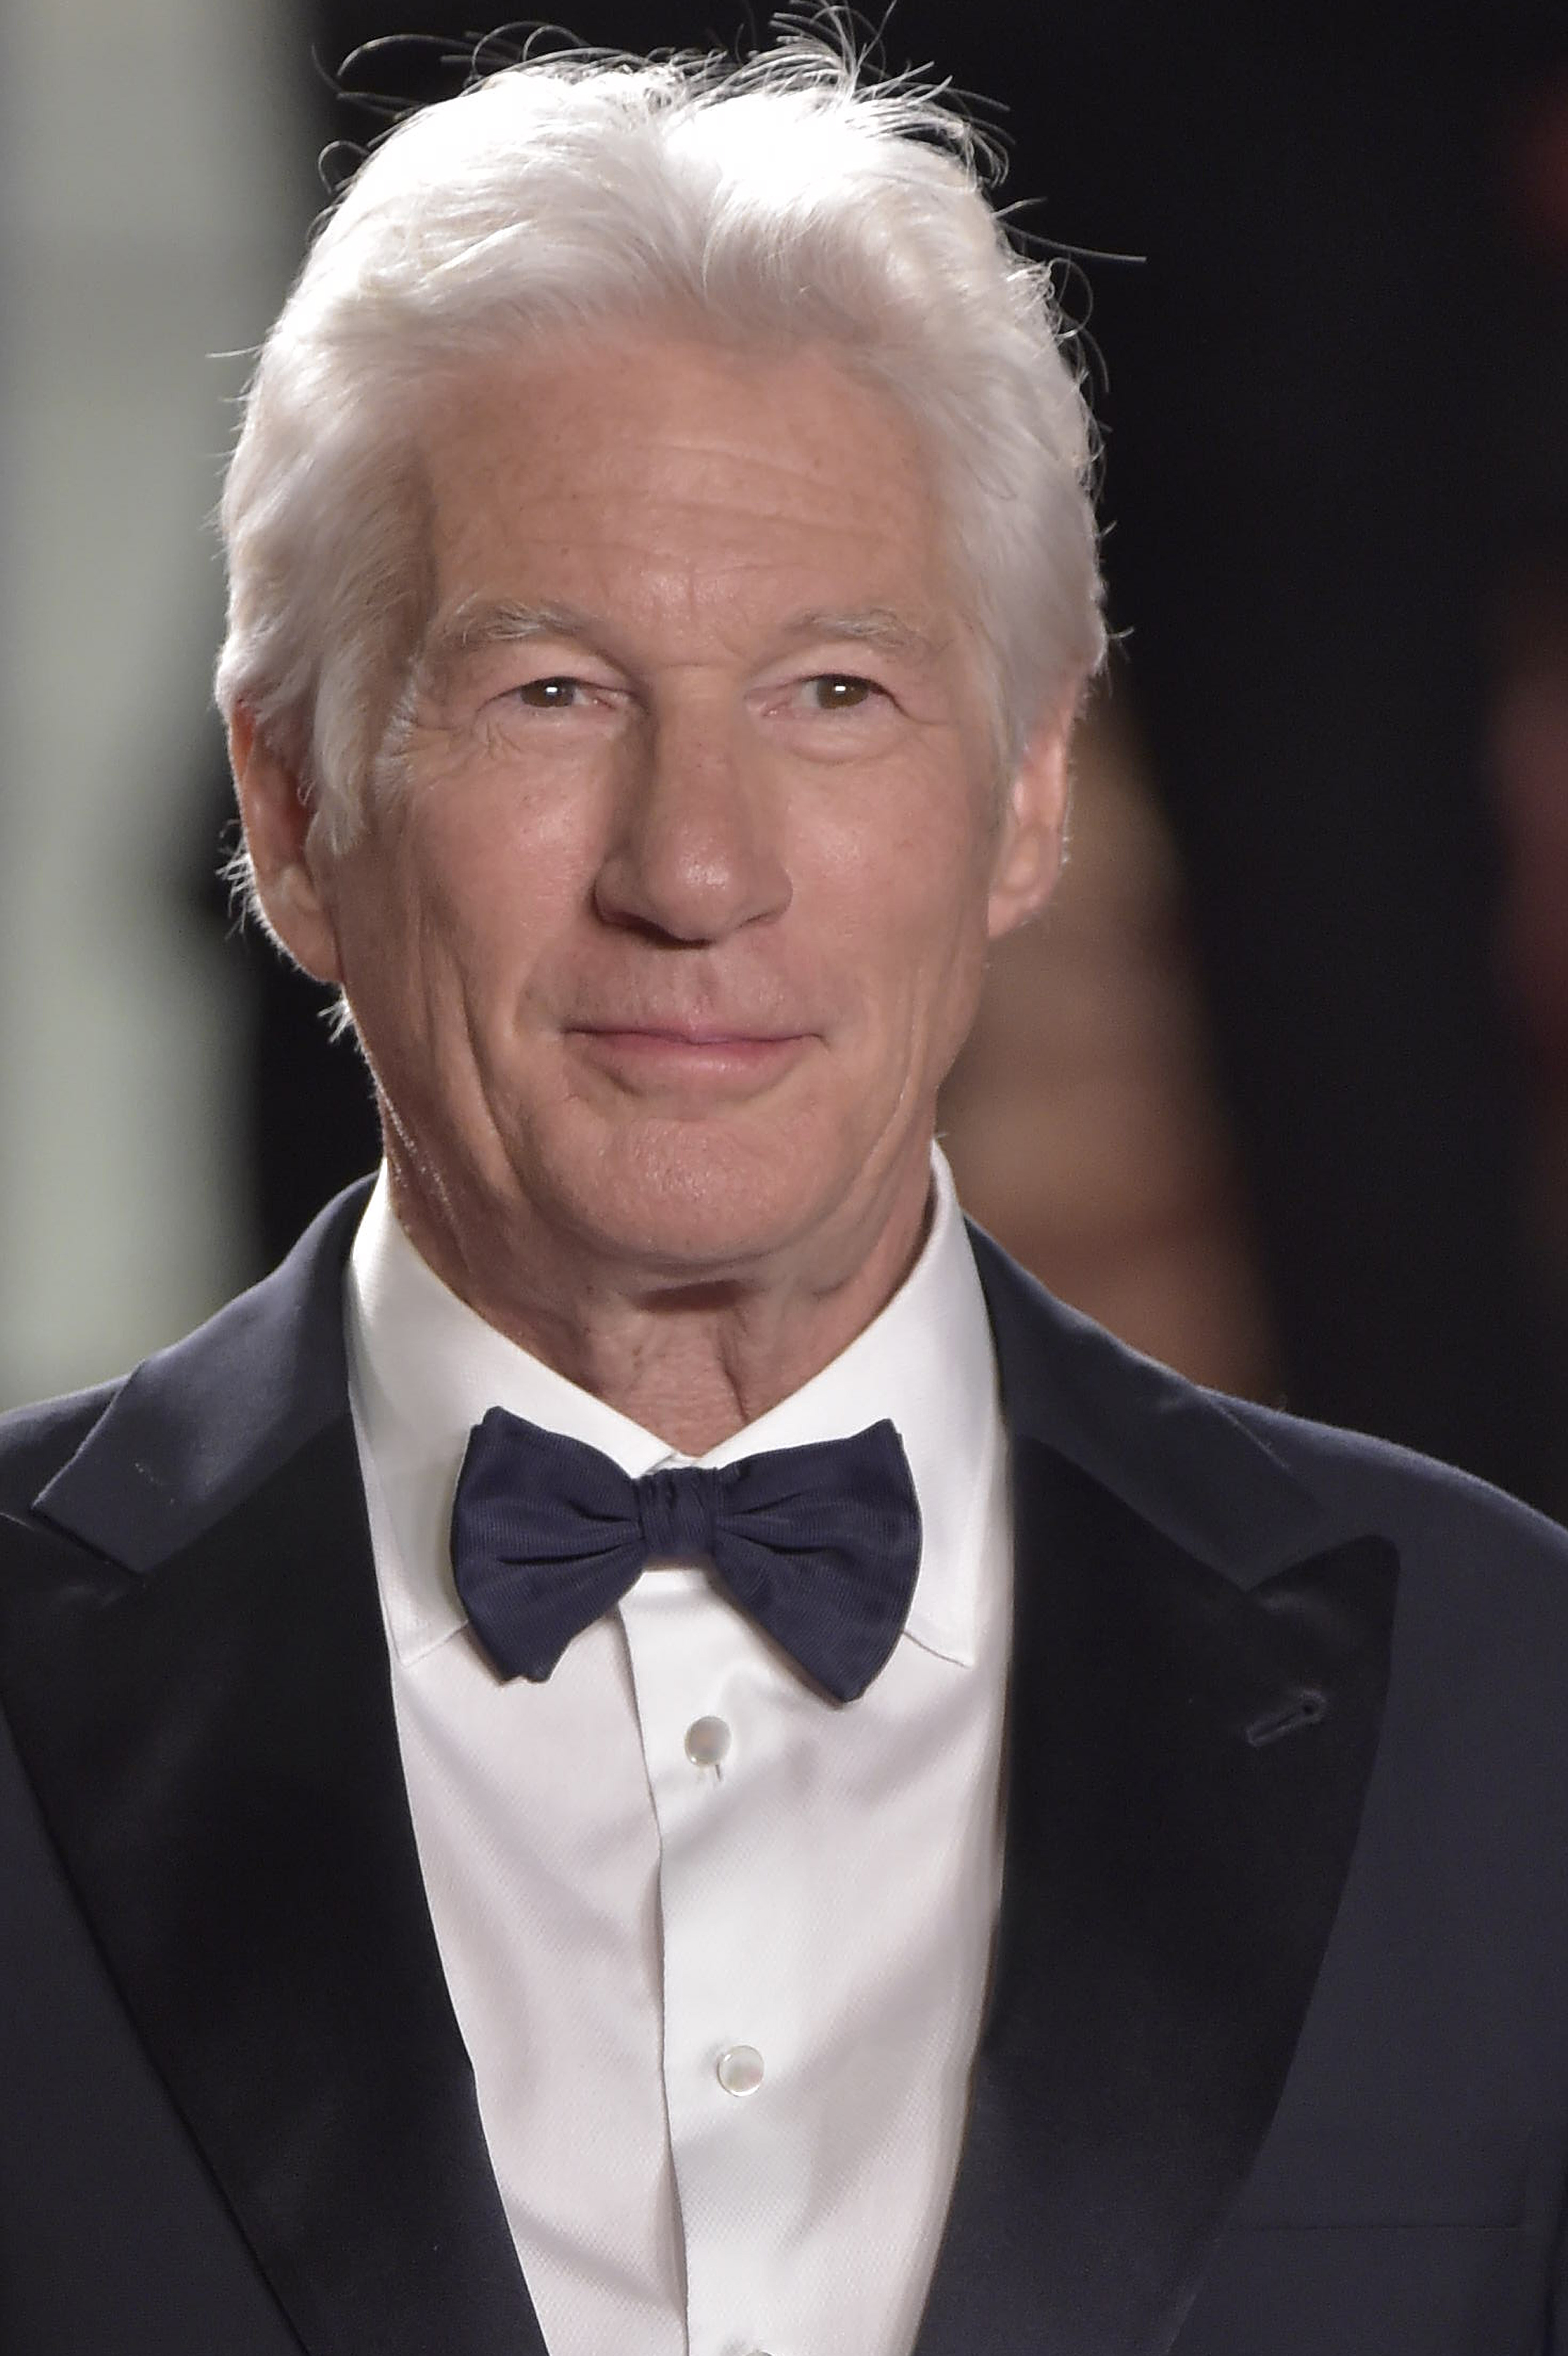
(678, 1197)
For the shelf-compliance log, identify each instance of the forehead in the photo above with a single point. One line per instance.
(677, 478)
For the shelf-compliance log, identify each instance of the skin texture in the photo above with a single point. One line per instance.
(662, 953)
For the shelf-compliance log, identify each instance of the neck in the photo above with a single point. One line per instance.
(691, 1359)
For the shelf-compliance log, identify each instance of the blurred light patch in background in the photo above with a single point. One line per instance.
(151, 203)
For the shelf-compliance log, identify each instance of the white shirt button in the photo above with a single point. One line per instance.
(707, 1741)
(741, 2069)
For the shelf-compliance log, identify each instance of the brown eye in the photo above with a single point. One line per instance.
(549, 694)
(840, 692)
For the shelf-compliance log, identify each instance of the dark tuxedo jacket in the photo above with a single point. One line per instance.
(1276, 2058)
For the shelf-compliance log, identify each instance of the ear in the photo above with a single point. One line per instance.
(289, 871)
(1031, 829)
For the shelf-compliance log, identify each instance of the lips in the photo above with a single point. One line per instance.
(707, 1057)
(688, 1034)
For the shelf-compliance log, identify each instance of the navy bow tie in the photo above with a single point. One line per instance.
(819, 1545)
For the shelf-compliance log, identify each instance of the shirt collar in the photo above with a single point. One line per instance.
(425, 1368)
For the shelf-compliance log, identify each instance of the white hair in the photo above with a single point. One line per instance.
(782, 200)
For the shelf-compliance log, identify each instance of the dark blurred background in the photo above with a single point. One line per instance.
(1280, 1087)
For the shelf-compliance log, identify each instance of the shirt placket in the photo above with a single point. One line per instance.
(702, 1681)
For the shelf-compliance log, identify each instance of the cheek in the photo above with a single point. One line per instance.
(413, 932)
(911, 933)
(490, 877)
(954, 944)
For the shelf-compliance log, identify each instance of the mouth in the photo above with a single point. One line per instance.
(709, 1056)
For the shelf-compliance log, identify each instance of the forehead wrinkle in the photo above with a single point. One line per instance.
(645, 488)
(663, 434)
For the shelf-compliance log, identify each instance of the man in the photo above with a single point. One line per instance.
(512, 1839)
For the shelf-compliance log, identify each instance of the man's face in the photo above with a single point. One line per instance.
(661, 951)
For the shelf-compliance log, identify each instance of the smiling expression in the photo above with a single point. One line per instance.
(680, 914)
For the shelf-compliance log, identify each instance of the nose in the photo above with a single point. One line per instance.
(693, 854)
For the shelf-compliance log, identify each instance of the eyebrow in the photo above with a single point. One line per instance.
(480, 622)
(873, 626)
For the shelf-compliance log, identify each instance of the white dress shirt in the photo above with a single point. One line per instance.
(718, 1947)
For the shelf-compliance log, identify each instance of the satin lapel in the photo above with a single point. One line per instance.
(213, 1746)
(1186, 1769)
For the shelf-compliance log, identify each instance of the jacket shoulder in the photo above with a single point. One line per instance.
(1219, 1471)
(36, 1442)
(136, 1468)
(1419, 1500)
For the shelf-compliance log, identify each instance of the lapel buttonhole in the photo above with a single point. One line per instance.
(1305, 1707)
